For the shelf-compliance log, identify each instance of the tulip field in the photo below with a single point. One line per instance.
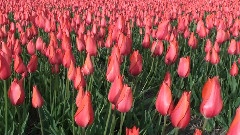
(119, 67)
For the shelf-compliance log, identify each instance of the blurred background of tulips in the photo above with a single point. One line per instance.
(119, 67)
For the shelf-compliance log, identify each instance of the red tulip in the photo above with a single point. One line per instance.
(115, 90)
(80, 96)
(214, 58)
(212, 102)
(192, 42)
(31, 47)
(232, 47)
(37, 100)
(32, 64)
(234, 128)
(208, 46)
(136, 63)
(167, 79)
(88, 68)
(91, 46)
(16, 92)
(180, 115)
(133, 131)
(5, 70)
(221, 36)
(157, 48)
(113, 68)
(162, 30)
(172, 53)
(234, 69)
(19, 66)
(197, 132)
(80, 43)
(79, 80)
(146, 41)
(71, 72)
(85, 115)
(164, 103)
(124, 102)
(184, 67)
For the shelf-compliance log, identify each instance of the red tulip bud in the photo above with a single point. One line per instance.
(180, 116)
(211, 98)
(37, 100)
(234, 127)
(135, 63)
(234, 69)
(164, 103)
(85, 115)
(184, 67)
(16, 92)
(124, 102)
(132, 131)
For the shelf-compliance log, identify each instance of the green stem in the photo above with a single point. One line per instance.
(204, 124)
(108, 118)
(176, 131)
(73, 109)
(121, 122)
(164, 125)
(148, 74)
(83, 131)
(113, 123)
(40, 121)
(6, 107)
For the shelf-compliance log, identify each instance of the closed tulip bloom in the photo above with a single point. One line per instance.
(16, 92)
(164, 104)
(115, 90)
(5, 70)
(80, 96)
(91, 46)
(31, 47)
(85, 115)
(220, 37)
(19, 66)
(180, 115)
(192, 42)
(132, 131)
(80, 43)
(172, 53)
(124, 102)
(214, 58)
(113, 68)
(39, 44)
(146, 41)
(234, 128)
(167, 79)
(37, 100)
(67, 58)
(208, 46)
(79, 80)
(197, 132)
(32, 64)
(162, 30)
(232, 47)
(157, 48)
(184, 67)
(71, 72)
(88, 68)
(136, 63)
(212, 102)
(234, 69)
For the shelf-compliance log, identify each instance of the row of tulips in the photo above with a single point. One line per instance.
(75, 38)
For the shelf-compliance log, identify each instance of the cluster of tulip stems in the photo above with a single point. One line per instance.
(94, 67)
